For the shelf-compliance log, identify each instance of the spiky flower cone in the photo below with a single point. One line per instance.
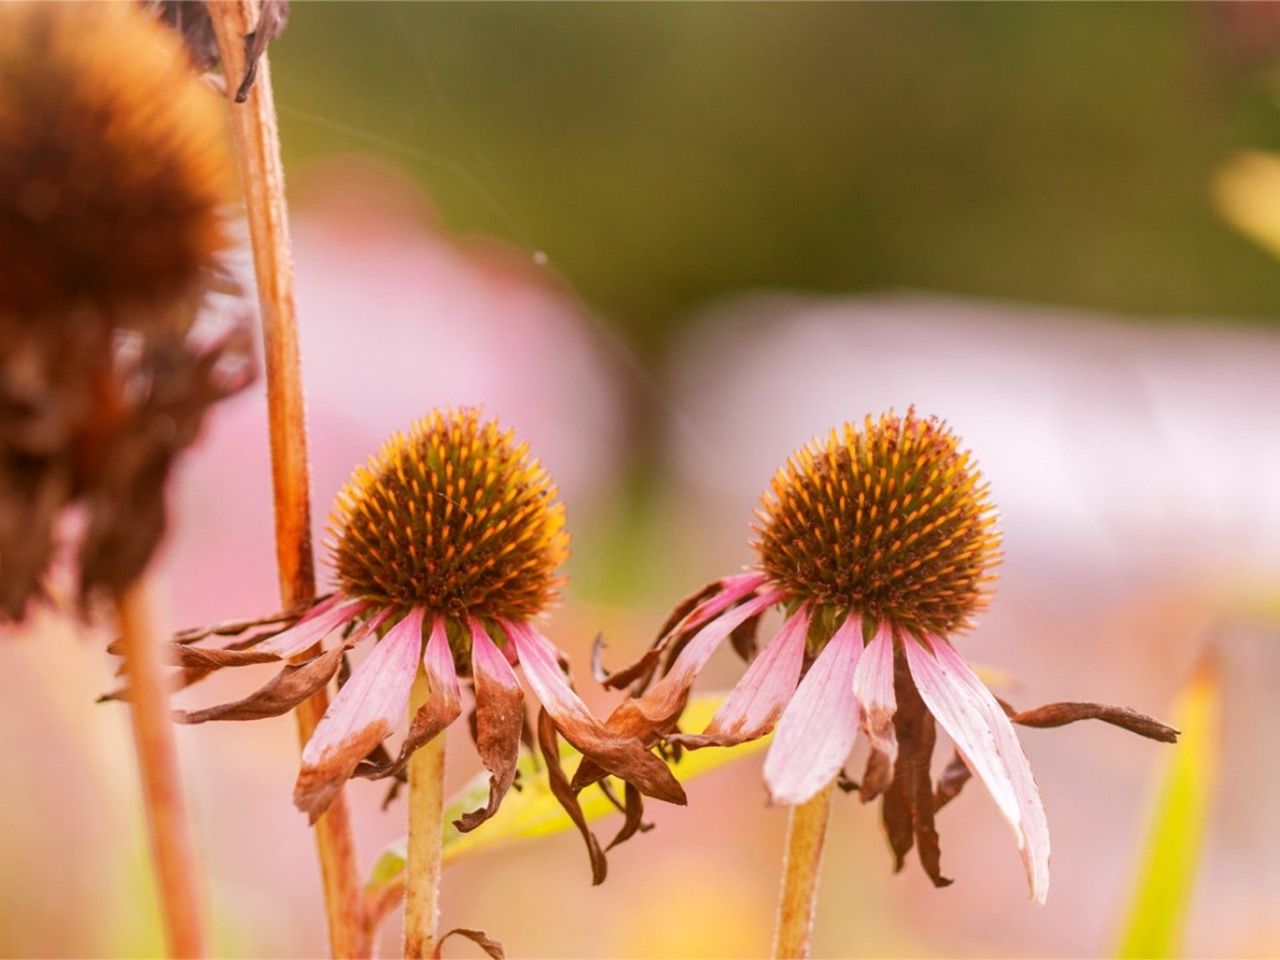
(891, 520)
(113, 177)
(455, 518)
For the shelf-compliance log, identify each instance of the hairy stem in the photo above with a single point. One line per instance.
(258, 153)
(426, 822)
(801, 865)
(170, 836)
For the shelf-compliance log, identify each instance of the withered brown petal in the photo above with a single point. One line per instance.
(954, 776)
(877, 776)
(283, 692)
(911, 793)
(481, 939)
(633, 815)
(430, 720)
(549, 745)
(273, 16)
(1060, 714)
(641, 672)
(499, 718)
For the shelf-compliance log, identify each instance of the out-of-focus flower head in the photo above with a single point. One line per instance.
(446, 548)
(879, 542)
(114, 175)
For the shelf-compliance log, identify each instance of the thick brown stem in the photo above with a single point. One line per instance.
(258, 151)
(426, 823)
(801, 866)
(171, 849)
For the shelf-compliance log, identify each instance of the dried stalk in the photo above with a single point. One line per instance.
(258, 152)
(801, 866)
(426, 823)
(170, 836)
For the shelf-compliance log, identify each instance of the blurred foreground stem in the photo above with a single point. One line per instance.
(262, 176)
(801, 865)
(426, 823)
(169, 832)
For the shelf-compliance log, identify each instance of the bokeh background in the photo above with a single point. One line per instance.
(668, 243)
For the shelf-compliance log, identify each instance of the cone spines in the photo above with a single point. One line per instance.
(455, 517)
(113, 161)
(892, 520)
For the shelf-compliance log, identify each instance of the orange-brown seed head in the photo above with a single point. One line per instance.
(892, 520)
(113, 160)
(455, 517)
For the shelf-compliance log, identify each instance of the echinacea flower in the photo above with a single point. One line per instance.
(114, 179)
(879, 542)
(445, 548)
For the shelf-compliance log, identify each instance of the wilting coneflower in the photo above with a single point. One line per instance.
(446, 549)
(114, 176)
(879, 542)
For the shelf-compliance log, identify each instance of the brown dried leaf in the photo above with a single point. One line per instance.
(481, 939)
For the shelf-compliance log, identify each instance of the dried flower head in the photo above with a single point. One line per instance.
(892, 520)
(113, 177)
(446, 546)
(113, 162)
(455, 518)
(878, 543)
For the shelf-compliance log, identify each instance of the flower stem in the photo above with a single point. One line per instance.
(171, 848)
(801, 866)
(262, 175)
(426, 822)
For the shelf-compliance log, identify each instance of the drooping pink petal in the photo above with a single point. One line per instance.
(361, 716)
(499, 721)
(873, 686)
(443, 706)
(757, 700)
(820, 723)
(314, 626)
(625, 757)
(732, 589)
(986, 740)
(703, 643)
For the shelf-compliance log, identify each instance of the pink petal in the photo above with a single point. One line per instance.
(362, 715)
(314, 626)
(873, 686)
(732, 589)
(985, 738)
(818, 727)
(624, 756)
(698, 650)
(499, 721)
(756, 702)
(437, 661)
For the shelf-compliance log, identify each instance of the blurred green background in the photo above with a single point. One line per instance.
(663, 153)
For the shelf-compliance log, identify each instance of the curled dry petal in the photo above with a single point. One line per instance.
(820, 723)
(986, 739)
(283, 692)
(361, 716)
(443, 706)
(954, 776)
(1060, 714)
(623, 756)
(563, 791)
(314, 626)
(873, 687)
(908, 807)
(758, 699)
(499, 720)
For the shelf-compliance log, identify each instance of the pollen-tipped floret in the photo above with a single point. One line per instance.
(891, 520)
(113, 162)
(455, 517)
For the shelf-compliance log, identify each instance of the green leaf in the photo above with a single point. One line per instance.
(532, 811)
(1158, 915)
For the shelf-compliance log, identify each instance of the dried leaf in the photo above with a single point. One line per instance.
(481, 939)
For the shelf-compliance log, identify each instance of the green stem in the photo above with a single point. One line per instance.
(801, 866)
